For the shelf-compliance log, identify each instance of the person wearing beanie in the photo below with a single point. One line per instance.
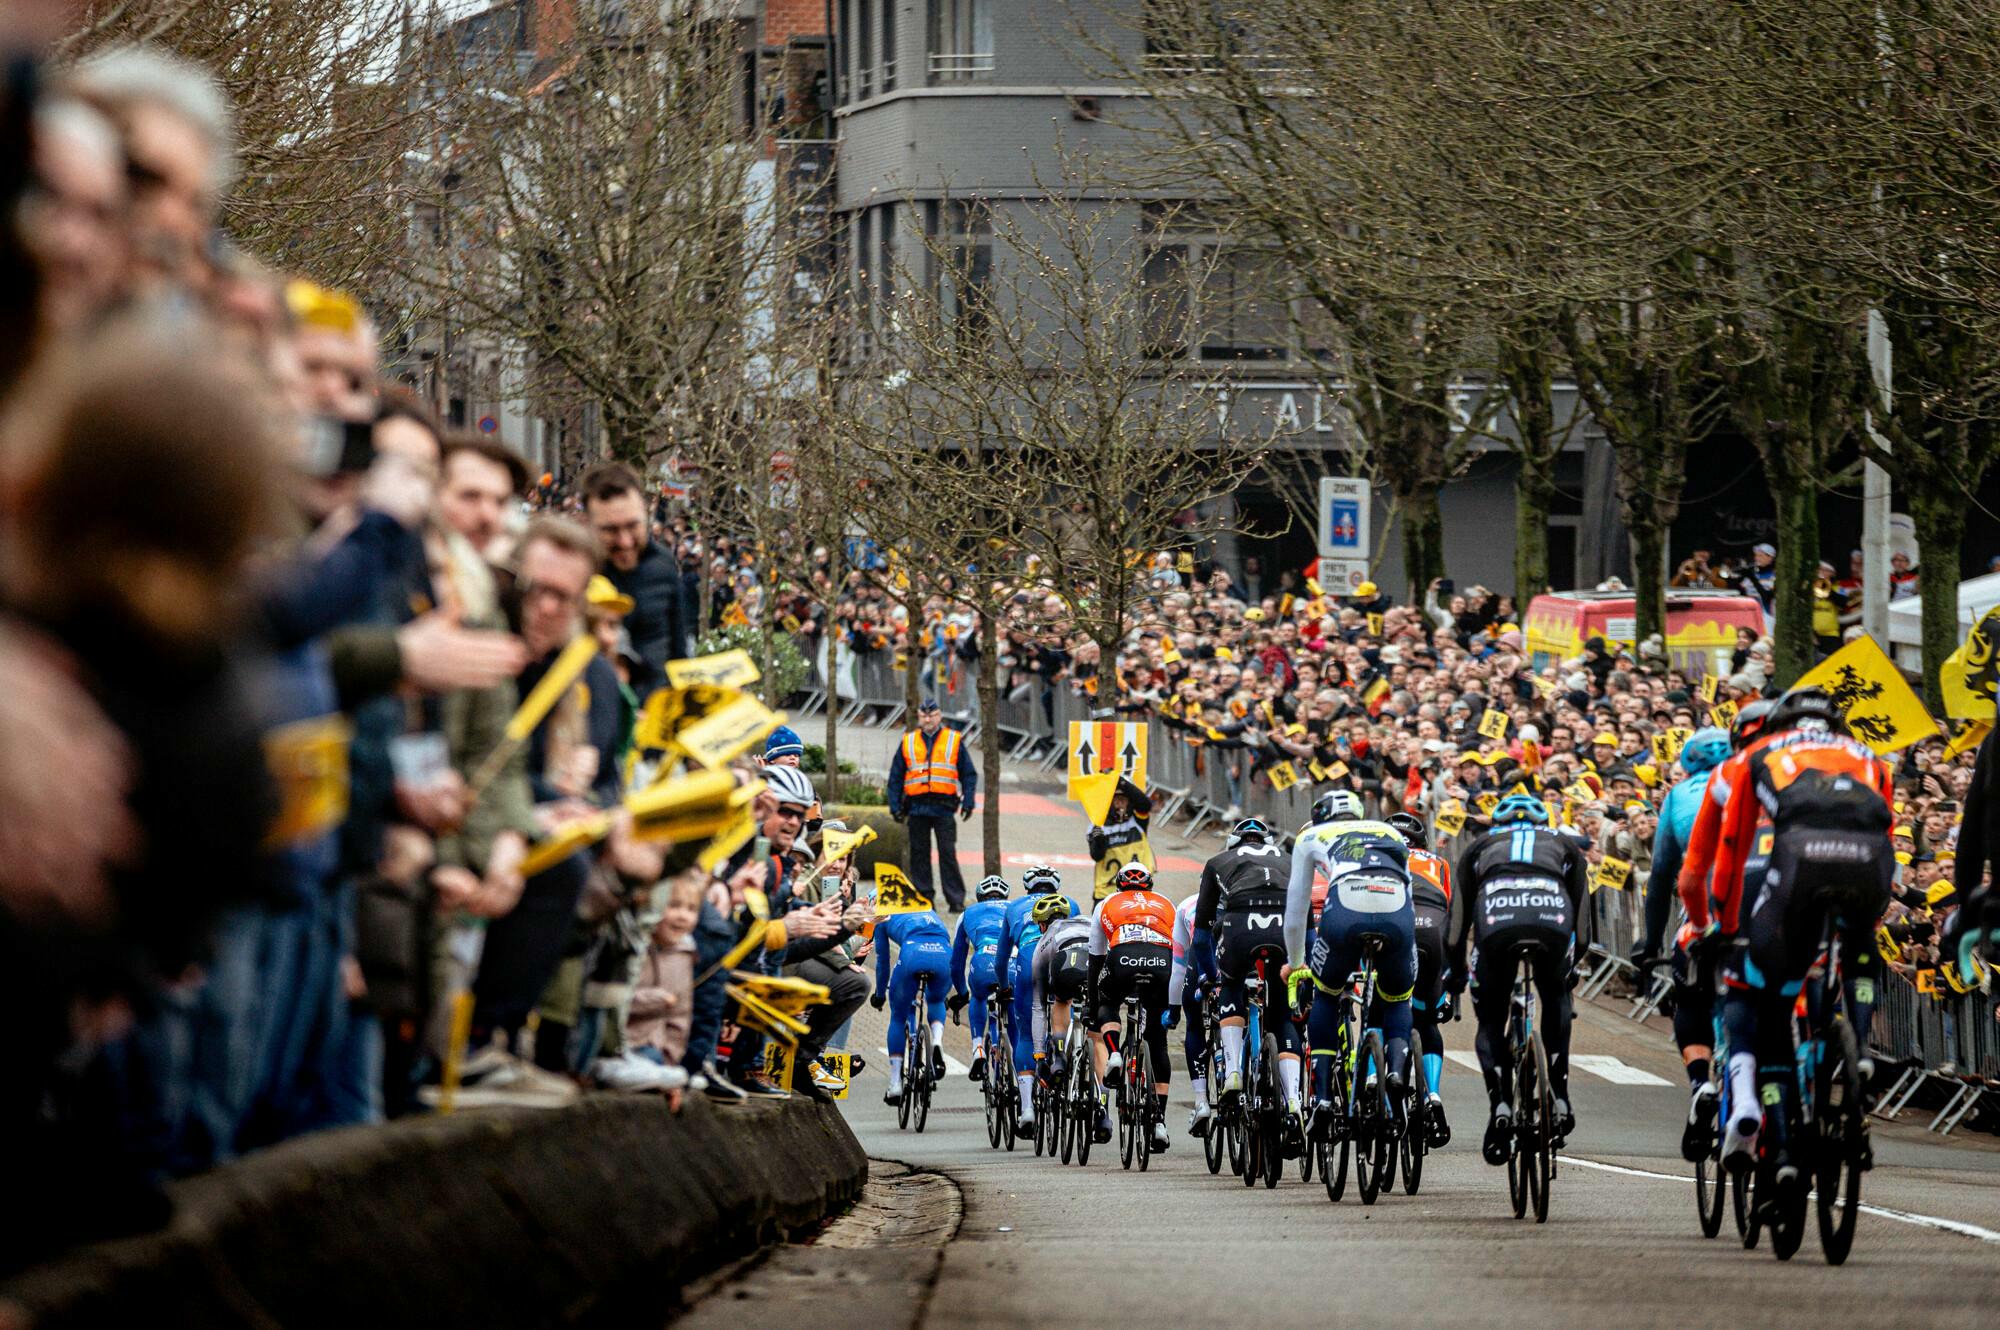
(784, 748)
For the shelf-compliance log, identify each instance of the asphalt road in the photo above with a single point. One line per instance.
(1053, 1244)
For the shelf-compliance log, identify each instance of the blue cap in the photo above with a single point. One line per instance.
(784, 742)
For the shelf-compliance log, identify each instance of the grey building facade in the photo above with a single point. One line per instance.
(942, 100)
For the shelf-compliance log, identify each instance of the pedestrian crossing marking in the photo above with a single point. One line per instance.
(952, 1066)
(1601, 1065)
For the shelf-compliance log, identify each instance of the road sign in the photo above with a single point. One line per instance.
(1100, 746)
(1346, 505)
(488, 425)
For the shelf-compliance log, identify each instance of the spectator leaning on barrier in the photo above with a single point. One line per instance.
(931, 780)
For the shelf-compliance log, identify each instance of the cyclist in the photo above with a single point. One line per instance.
(1132, 954)
(1430, 899)
(922, 947)
(1239, 909)
(975, 948)
(1186, 996)
(1828, 799)
(1014, 964)
(1062, 977)
(1693, 977)
(1520, 882)
(1368, 894)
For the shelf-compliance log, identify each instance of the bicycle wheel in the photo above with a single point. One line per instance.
(1128, 1143)
(1541, 1130)
(922, 1112)
(1215, 1144)
(1371, 1120)
(904, 1105)
(1788, 1217)
(1239, 1140)
(1743, 1204)
(1273, 1098)
(1339, 1133)
(1837, 1113)
(1517, 1162)
(1308, 1156)
(1012, 1100)
(1709, 1186)
(1416, 1129)
(1139, 1083)
(1086, 1109)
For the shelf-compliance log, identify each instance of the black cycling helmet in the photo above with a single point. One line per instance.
(1806, 706)
(1412, 829)
(991, 889)
(1749, 722)
(1250, 828)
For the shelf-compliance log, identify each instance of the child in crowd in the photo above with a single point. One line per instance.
(662, 999)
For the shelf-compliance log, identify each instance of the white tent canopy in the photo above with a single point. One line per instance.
(1906, 632)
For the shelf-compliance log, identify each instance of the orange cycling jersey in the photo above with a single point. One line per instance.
(1432, 869)
(1141, 917)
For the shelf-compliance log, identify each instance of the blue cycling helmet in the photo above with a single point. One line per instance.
(1520, 808)
(1704, 751)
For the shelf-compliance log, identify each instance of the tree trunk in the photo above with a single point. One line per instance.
(1797, 564)
(1423, 539)
(1649, 596)
(1940, 523)
(1534, 495)
(989, 736)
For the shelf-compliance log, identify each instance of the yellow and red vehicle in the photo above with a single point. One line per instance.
(1701, 625)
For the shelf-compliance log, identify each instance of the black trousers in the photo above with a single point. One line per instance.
(525, 945)
(924, 827)
(846, 989)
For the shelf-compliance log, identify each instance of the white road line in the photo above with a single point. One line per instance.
(1611, 1069)
(952, 1066)
(1601, 1065)
(1900, 1216)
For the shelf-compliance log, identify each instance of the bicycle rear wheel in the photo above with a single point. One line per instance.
(1709, 1186)
(1333, 1168)
(1273, 1098)
(922, 1112)
(1518, 1164)
(1838, 1119)
(1371, 1120)
(1743, 1204)
(1085, 1105)
(1128, 1142)
(1542, 1129)
(1215, 1144)
(1416, 1128)
(1788, 1218)
(1139, 1084)
(905, 1104)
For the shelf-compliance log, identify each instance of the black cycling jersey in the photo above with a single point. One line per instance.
(1519, 851)
(1250, 876)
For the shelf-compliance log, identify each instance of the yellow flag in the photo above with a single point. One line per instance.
(1965, 734)
(1708, 686)
(721, 735)
(564, 672)
(1374, 625)
(1336, 771)
(1450, 818)
(1493, 724)
(1881, 709)
(1095, 794)
(895, 893)
(837, 845)
(1970, 674)
(1487, 802)
(1610, 873)
(1318, 772)
(1283, 776)
(727, 669)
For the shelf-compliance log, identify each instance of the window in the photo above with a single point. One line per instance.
(888, 45)
(965, 286)
(960, 40)
(874, 244)
(864, 50)
(1221, 302)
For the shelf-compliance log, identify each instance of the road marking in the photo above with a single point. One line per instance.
(1882, 1211)
(1601, 1065)
(1611, 1069)
(952, 1066)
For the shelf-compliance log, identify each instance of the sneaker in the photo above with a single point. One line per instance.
(633, 1074)
(1103, 1132)
(1024, 1127)
(978, 1071)
(720, 1088)
(1162, 1139)
(1440, 1130)
(1699, 1134)
(756, 1083)
(893, 1095)
(1739, 1145)
(1785, 1173)
(1499, 1141)
(937, 1063)
(1198, 1121)
(1114, 1070)
(495, 1078)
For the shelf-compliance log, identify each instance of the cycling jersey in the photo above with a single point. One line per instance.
(975, 952)
(923, 949)
(1430, 878)
(1178, 990)
(1352, 854)
(1250, 876)
(1013, 964)
(1505, 879)
(1131, 954)
(1132, 918)
(1061, 971)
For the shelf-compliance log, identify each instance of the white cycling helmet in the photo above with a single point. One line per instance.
(789, 785)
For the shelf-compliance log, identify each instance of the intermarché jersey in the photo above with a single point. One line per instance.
(1356, 848)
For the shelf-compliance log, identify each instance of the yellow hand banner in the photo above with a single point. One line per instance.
(1708, 686)
(1493, 724)
(895, 893)
(1115, 861)
(726, 669)
(1969, 675)
(1610, 873)
(1095, 793)
(837, 845)
(722, 734)
(1450, 818)
(1881, 709)
(1283, 776)
(566, 670)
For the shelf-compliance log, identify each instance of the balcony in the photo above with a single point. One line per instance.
(961, 64)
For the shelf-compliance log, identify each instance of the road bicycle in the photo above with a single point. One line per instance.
(1137, 1111)
(1080, 1099)
(1823, 1123)
(1531, 1158)
(1001, 1093)
(1263, 1111)
(1413, 1139)
(1362, 1127)
(918, 1074)
(1216, 1143)
(1047, 1125)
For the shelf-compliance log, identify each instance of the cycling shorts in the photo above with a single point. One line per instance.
(1137, 969)
(1064, 971)
(1239, 936)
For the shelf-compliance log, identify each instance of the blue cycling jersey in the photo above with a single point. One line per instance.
(977, 943)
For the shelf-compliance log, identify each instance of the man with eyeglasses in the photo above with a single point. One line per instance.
(614, 502)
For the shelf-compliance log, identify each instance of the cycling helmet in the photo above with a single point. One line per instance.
(1520, 808)
(1412, 829)
(1050, 908)
(1704, 751)
(1133, 877)
(789, 785)
(1250, 828)
(991, 889)
(1336, 806)
(1750, 722)
(1803, 707)
(1041, 878)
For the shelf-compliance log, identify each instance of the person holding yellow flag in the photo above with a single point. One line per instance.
(931, 777)
(1120, 839)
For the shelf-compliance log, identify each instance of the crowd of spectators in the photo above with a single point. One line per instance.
(264, 622)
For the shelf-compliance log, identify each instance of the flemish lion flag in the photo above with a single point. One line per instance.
(1970, 674)
(1881, 709)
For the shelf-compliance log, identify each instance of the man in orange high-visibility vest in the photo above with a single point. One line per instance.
(930, 778)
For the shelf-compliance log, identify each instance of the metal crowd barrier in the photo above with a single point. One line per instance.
(1950, 1041)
